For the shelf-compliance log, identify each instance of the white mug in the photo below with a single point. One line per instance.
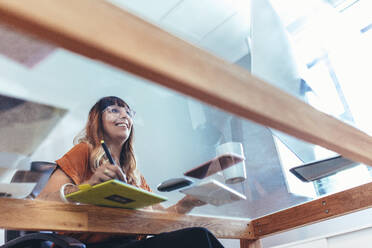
(235, 173)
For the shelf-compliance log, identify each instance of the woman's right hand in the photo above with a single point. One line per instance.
(106, 172)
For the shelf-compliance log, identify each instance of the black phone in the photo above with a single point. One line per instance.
(173, 184)
(322, 168)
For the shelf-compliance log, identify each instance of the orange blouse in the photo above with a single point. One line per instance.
(75, 163)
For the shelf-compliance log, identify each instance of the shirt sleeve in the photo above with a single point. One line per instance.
(75, 163)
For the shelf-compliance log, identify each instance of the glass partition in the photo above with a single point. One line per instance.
(175, 133)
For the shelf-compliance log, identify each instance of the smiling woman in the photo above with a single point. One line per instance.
(111, 120)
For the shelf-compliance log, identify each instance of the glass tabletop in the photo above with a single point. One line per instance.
(53, 89)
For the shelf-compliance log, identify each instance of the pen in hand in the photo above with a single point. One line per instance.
(111, 160)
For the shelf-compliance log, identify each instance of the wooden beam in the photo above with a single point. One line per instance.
(244, 243)
(18, 214)
(324, 208)
(253, 242)
(99, 30)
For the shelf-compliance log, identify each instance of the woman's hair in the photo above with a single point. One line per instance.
(93, 133)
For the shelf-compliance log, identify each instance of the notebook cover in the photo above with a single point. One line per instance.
(114, 193)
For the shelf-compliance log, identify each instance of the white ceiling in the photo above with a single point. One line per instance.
(219, 26)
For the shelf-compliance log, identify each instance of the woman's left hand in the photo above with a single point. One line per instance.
(187, 203)
(192, 201)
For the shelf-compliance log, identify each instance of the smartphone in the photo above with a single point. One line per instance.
(214, 165)
(173, 184)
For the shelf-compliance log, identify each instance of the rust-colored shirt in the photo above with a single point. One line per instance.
(75, 163)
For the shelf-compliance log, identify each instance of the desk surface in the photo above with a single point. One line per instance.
(43, 215)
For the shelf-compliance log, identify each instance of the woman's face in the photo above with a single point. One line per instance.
(117, 122)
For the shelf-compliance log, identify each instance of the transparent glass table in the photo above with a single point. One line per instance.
(175, 133)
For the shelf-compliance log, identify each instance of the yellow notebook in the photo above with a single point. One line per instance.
(114, 193)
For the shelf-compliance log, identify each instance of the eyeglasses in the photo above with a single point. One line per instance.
(117, 111)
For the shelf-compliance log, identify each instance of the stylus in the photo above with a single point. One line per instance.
(108, 154)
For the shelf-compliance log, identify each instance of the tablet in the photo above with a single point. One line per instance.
(16, 190)
(114, 193)
(215, 165)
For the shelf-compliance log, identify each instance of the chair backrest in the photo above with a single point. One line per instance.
(39, 173)
(45, 169)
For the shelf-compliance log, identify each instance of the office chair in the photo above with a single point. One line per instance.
(39, 172)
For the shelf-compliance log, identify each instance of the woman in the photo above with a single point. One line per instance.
(111, 120)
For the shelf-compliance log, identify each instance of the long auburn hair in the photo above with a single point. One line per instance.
(93, 133)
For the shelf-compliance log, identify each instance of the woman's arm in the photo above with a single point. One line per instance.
(51, 191)
(183, 206)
